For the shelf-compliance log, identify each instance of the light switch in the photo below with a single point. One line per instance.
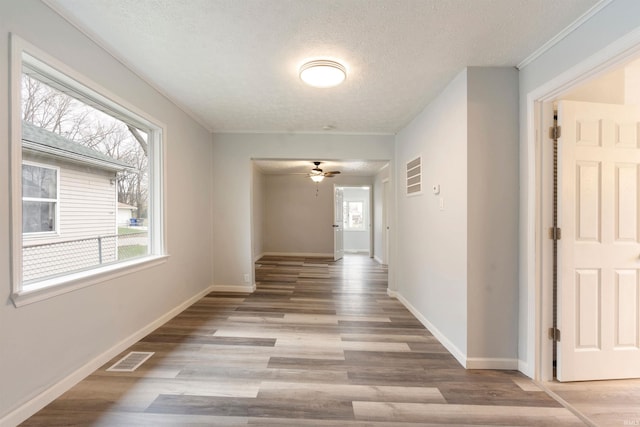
(441, 203)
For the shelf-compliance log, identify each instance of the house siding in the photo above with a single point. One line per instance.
(86, 215)
(87, 203)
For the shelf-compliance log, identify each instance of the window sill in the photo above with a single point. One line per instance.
(49, 288)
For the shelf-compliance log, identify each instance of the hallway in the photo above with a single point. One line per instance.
(318, 343)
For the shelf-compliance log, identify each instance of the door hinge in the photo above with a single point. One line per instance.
(554, 334)
(555, 132)
(555, 233)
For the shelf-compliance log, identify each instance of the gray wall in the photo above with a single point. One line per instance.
(44, 342)
(297, 219)
(431, 259)
(258, 211)
(451, 267)
(492, 216)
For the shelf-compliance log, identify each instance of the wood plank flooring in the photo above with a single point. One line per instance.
(318, 344)
(611, 403)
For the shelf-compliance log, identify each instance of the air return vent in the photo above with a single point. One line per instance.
(414, 176)
(131, 361)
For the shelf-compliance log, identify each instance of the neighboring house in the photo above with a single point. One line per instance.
(69, 204)
(125, 213)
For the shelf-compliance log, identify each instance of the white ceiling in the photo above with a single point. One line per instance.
(233, 64)
(303, 167)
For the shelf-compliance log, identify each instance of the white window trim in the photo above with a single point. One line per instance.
(23, 52)
(56, 231)
(346, 226)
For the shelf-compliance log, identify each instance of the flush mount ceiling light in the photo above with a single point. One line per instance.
(323, 73)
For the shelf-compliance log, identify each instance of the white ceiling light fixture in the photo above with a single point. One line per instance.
(323, 73)
(317, 178)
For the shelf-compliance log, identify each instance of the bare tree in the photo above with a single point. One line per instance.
(50, 109)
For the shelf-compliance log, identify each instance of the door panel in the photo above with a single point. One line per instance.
(627, 291)
(626, 203)
(599, 252)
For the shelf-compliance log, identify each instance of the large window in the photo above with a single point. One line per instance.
(39, 198)
(87, 179)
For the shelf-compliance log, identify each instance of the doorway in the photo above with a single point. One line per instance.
(594, 318)
(356, 219)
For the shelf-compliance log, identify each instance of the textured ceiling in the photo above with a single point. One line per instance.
(233, 63)
(346, 167)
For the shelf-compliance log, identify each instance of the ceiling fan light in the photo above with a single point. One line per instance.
(323, 73)
(317, 178)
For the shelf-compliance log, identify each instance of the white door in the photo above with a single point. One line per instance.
(338, 230)
(599, 251)
(385, 222)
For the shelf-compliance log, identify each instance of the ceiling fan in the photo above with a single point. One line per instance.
(317, 175)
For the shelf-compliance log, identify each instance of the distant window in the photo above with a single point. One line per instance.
(354, 215)
(39, 198)
(81, 154)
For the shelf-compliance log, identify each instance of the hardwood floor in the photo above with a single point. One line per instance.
(603, 403)
(318, 344)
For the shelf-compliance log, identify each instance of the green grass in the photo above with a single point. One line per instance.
(122, 231)
(131, 251)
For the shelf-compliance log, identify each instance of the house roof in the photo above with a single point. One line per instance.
(126, 206)
(40, 140)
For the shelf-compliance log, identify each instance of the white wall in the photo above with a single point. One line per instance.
(44, 342)
(231, 166)
(379, 249)
(453, 267)
(358, 240)
(585, 45)
(258, 212)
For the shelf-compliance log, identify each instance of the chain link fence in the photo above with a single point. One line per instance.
(54, 259)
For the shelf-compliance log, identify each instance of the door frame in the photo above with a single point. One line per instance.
(538, 197)
(386, 185)
(369, 203)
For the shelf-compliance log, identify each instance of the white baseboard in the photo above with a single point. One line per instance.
(492, 363)
(47, 396)
(257, 258)
(525, 369)
(378, 259)
(302, 254)
(241, 289)
(356, 251)
(455, 351)
(466, 362)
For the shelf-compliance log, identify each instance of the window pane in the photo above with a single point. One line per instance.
(98, 178)
(38, 217)
(355, 215)
(39, 182)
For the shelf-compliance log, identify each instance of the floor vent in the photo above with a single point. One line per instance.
(131, 361)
